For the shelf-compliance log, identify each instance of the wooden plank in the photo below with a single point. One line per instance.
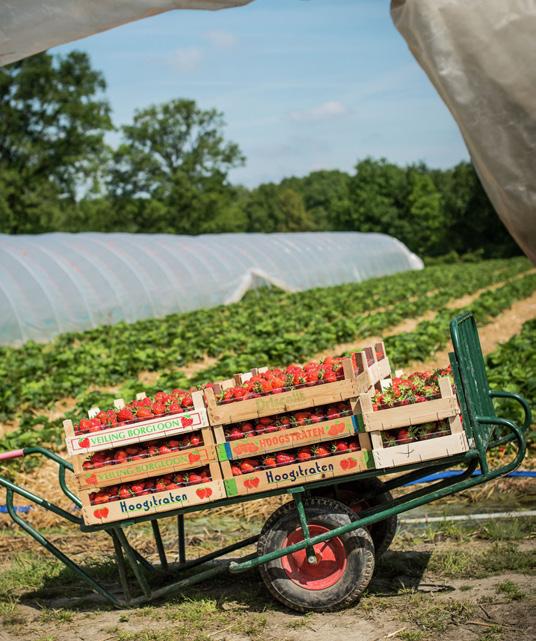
(299, 473)
(290, 438)
(435, 448)
(137, 432)
(180, 460)
(157, 503)
(414, 414)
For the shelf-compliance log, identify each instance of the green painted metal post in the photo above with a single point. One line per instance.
(159, 545)
(310, 551)
(121, 565)
(182, 538)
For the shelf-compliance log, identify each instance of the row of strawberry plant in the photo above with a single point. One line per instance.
(433, 335)
(268, 327)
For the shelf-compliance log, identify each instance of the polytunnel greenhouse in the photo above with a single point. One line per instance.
(55, 283)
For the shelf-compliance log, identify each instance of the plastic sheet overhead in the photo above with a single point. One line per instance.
(55, 283)
(481, 57)
(30, 26)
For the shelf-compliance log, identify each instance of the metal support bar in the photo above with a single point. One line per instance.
(182, 538)
(131, 557)
(50, 547)
(310, 551)
(221, 552)
(159, 545)
(121, 566)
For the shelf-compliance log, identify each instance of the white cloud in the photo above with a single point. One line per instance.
(187, 59)
(324, 111)
(221, 39)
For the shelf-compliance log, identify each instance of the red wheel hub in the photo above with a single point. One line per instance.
(330, 566)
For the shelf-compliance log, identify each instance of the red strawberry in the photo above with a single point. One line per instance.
(164, 449)
(320, 450)
(194, 478)
(84, 425)
(249, 465)
(403, 436)
(247, 428)
(144, 412)
(284, 458)
(234, 434)
(195, 440)
(269, 461)
(235, 469)
(125, 492)
(84, 442)
(304, 454)
(125, 414)
(339, 447)
(137, 487)
(159, 408)
(120, 456)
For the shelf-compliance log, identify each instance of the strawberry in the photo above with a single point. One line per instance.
(158, 409)
(304, 454)
(339, 447)
(94, 425)
(194, 478)
(174, 408)
(320, 450)
(125, 414)
(247, 428)
(144, 412)
(284, 458)
(137, 487)
(235, 469)
(317, 416)
(354, 446)
(173, 444)
(195, 440)
(84, 425)
(269, 461)
(249, 465)
(164, 449)
(120, 456)
(403, 436)
(125, 492)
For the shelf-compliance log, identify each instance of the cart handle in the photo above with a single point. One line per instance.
(515, 397)
(11, 454)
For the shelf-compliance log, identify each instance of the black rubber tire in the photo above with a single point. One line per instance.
(383, 532)
(358, 547)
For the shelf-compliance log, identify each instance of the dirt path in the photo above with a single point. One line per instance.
(503, 327)
(405, 601)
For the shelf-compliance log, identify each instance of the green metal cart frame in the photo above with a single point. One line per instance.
(484, 429)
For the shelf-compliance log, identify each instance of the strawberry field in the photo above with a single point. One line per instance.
(411, 310)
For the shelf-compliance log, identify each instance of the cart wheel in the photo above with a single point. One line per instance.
(383, 532)
(345, 563)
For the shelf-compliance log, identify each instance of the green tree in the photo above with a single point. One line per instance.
(425, 214)
(272, 208)
(170, 174)
(52, 123)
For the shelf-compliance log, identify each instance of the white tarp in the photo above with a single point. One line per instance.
(29, 26)
(481, 57)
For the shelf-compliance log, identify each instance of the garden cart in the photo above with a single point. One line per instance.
(317, 552)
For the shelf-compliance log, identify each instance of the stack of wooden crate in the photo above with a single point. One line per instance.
(363, 373)
(109, 461)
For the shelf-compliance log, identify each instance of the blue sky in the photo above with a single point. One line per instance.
(303, 84)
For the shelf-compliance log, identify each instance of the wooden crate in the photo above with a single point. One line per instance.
(157, 503)
(176, 461)
(137, 431)
(445, 408)
(369, 372)
(296, 474)
(284, 439)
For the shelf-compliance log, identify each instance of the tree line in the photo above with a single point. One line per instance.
(170, 174)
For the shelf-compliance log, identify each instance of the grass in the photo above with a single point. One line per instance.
(428, 616)
(500, 557)
(510, 590)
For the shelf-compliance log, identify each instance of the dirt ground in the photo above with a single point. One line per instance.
(444, 584)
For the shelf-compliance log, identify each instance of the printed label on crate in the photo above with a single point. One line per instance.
(299, 473)
(137, 432)
(154, 503)
(273, 402)
(111, 474)
(294, 437)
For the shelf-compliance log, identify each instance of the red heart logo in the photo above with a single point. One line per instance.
(193, 458)
(91, 479)
(201, 492)
(254, 482)
(97, 513)
(344, 464)
(336, 429)
(104, 512)
(350, 463)
(84, 442)
(208, 492)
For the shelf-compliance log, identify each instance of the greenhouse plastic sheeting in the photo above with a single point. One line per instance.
(481, 57)
(55, 283)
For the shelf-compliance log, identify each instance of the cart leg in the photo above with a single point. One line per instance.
(311, 555)
(181, 535)
(50, 547)
(159, 545)
(121, 566)
(131, 557)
